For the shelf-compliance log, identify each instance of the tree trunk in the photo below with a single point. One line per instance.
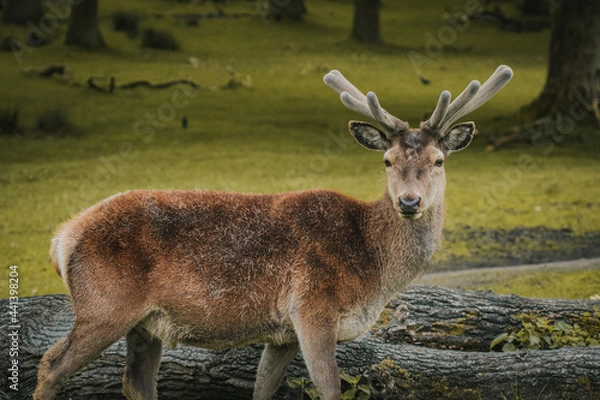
(365, 27)
(21, 11)
(452, 319)
(83, 27)
(572, 85)
(392, 370)
(292, 9)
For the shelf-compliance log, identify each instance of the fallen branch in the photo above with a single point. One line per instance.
(62, 72)
(516, 133)
(392, 370)
(135, 84)
(142, 83)
(103, 84)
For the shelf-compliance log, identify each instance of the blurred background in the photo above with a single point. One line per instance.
(103, 96)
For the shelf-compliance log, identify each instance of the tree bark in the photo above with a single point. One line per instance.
(292, 9)
(22, 11)
(83, 27)
(453, 319)
(365, 26)
(392, 370)
(573, 81)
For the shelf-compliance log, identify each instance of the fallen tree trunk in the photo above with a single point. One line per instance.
(391, 370)
(459, 320)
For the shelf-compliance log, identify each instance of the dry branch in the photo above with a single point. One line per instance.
(103, 84)
(92, 84)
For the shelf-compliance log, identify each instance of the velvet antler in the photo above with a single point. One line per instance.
(367, 105)
(470, 99)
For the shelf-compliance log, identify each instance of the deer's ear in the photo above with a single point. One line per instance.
(369, 136)
(458, 138)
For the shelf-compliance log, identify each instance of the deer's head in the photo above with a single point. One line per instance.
(414, 158)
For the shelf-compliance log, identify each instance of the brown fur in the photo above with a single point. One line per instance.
(297, 271)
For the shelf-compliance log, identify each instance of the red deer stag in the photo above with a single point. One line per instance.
(298, 271)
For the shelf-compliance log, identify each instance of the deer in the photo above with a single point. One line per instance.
(298, 271)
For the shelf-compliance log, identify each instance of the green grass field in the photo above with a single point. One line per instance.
(563, 284)
(581, 282)
(282, 129)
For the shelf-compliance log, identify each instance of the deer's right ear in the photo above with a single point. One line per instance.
(369, 136)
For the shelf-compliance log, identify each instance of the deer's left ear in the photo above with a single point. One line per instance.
(458, 138)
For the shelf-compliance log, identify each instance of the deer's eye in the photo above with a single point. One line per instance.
(439, 163)
(387, 163)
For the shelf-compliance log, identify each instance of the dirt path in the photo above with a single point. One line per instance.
(459, 278)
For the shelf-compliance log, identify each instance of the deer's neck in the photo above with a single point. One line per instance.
(404, 248)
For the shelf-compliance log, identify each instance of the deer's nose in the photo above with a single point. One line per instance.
(409, 205)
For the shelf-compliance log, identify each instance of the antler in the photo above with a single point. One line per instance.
(470, 99)
(367, 105)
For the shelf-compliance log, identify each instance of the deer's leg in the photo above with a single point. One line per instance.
(86, 340)
(317, 335)
(141, 364)
(271, 369)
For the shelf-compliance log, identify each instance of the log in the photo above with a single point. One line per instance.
(460, 320)
(391, 370)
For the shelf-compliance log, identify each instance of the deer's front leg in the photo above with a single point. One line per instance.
(317, 335)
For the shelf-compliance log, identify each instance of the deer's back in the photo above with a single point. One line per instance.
(212, 261)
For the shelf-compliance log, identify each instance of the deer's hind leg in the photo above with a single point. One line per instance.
(84, 343)
(141, 364)
(271, 369)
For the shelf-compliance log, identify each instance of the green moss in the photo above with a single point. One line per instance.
(451, 328)
(384, 319)
(388, 380)
(584, 381)
(440, 389)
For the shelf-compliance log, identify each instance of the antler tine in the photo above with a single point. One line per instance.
(440, 110)
(495, 82)
(367, 105)
(382, 116)
(356, 105)
(470, 99)
(459, 103)
(338, 82)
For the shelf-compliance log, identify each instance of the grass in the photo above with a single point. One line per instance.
(155, 39)
(9, 121)
(53, 122)
(284, 131)
(561, 284)
(567, 283)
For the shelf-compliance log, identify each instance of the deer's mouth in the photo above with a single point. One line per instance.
(413, 216)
